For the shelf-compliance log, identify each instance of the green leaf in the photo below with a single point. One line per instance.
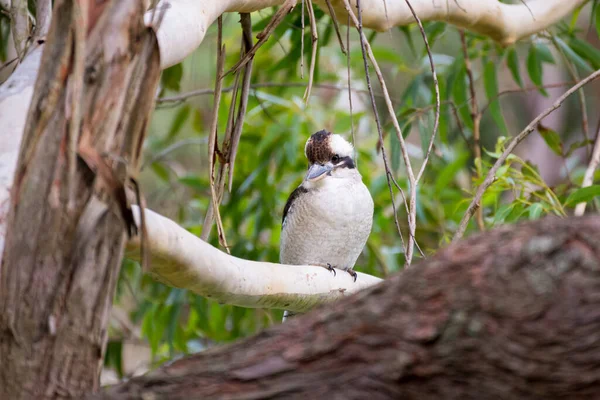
(178, 121)
(512, 60)
(459, 94)
(450, 171)
(171, 77)
(552, 139)
(544, 53)
(503, 212)
(535, 210)
(597, 18)
(490, 81)
(405, 29)
(583, 195)
(586, 51)
(571, 55)
(578, 145)
(534, 68)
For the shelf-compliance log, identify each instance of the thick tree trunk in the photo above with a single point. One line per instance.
(65, 235)
(510, 314)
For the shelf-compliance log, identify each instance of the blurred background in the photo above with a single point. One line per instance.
(152, 323)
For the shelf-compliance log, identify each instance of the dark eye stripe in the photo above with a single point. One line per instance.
(347, 162)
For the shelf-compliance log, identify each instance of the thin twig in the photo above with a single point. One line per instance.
(175, 146)
(388, 174)
(335, 25)
(315, 39)
(350, 90)
(239, 122)
(437, 94)
(588, 177)
(212, 138)
(203, 92)
(476, 116)
(404, 151)
(302, 42)
(263, 36)
(523, 90)
(575, 76)
(489, 179)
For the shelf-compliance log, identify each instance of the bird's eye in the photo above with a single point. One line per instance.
(335, 159)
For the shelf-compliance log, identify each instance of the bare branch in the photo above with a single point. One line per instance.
(284, 10)
(588, 177)
(388, 173)
(436, 87)
(489, 179)
(336, 25)
(314, 35)
(476, 117)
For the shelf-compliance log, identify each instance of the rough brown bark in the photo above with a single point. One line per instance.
(510, 314)
(65, 234)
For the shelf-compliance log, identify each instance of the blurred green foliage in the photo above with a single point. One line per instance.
(271, 163)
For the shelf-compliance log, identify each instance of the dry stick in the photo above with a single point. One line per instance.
(476, 116)
(302, 43)
(526, 89)
(314, 38)
(239, 123)
(404, 151)
(388, 173)
(575, 76)
(336, 25)
(175, 146)
(223, 157)
(437, 94)
(202, 92)
(350, 90)
(588, 177)
(263, 36)
(489, 179)
(212, 138)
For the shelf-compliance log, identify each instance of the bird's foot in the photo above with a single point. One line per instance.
(330, 268)
(352, 273)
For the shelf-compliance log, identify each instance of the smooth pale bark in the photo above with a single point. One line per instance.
(510, 314)
(64, 237)
(181, 259)
(185, 22)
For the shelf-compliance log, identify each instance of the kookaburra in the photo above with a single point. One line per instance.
(328, 218)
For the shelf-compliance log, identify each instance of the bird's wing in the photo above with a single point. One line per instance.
(293, 197)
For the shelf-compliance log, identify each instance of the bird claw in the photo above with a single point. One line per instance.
(330, 268)
(353, 274)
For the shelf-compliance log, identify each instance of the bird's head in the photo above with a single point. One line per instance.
(327, 152)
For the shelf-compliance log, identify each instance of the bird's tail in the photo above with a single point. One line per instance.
(288, 314)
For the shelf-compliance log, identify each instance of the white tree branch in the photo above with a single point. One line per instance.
(180, 259)
(185, 22)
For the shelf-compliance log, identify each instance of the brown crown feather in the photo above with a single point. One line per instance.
(318, 149)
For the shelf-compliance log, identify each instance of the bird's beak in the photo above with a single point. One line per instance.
(318, 171)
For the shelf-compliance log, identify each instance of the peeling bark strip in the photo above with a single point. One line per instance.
(510, 314)
(62, 255)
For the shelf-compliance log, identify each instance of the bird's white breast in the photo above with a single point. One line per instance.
(330, 223)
